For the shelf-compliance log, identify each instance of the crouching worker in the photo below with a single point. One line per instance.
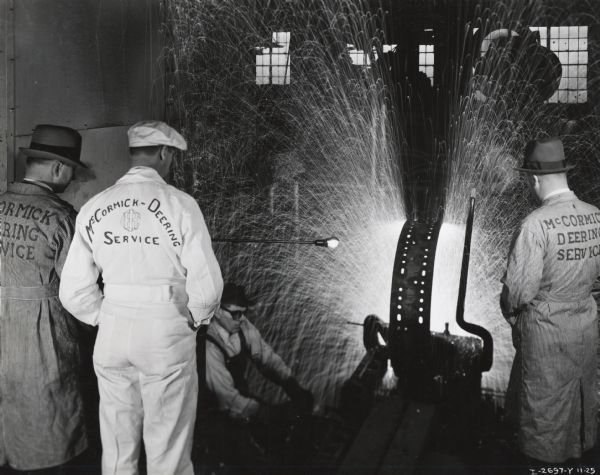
(231, 342)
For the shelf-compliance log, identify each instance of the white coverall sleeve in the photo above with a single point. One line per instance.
(269, 362)
(204, 283)
(220, 382)
(523, 274)
(79, 292)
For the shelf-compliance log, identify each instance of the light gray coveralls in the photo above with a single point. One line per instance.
(151, 245)
(221, 382)
(41, 412)
(547, 299)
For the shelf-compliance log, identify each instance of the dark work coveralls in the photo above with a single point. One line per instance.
(231, 439)
(236, 365)
(41, 413)
(247, 441)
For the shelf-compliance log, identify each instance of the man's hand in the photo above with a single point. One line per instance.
(302, 399)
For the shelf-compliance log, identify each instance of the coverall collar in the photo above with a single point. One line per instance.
(141, 173)
(565, 196)
(29, 189)
(221, 328)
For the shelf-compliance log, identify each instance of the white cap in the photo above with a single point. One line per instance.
(152, 132)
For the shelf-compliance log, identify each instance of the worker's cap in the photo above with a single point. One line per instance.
(235, 295)
(152, 133)
(545, 156)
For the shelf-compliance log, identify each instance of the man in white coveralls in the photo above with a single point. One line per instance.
(162, 281)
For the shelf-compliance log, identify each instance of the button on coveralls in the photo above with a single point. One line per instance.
(552, 265)
(151, 245)
(41, 411)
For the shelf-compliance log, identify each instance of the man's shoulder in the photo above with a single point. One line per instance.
(587, 207)
(50, 204)
(95, 199)
(181, 195)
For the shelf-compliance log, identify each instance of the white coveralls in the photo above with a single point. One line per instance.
(150, 243)
(547, 299)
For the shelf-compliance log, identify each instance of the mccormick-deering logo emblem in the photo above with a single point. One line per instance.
(130, 220)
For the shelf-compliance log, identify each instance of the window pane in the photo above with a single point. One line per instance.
(543, 32)
(573, 57)
(572, 96)
(583, 57)
(564, 58)
(582, 71)
(583, 31)
(572, 83)
(562, 96)
(421, 48)
(582, 83)
(582, 96)
(563, 32)
(563, 45)
(573, 31)
(279, 71)
(573, 44)
(554, 44)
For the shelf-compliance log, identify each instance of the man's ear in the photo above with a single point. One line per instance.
(163, 152)
(536, 180)
(56, 167)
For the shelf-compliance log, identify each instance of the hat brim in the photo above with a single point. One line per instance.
(544, 172)
(51, 156)
(240, 303)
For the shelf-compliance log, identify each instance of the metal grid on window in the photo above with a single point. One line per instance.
(426, 60)
(570, 44)
(273, 64)
(361, 58)
(358, 56)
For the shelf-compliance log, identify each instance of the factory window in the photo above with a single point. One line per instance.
(426, 60)
(273, 63)
(569, 43)
(358, 56)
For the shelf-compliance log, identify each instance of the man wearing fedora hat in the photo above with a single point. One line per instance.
(40, 403)
(162, 281)
(546, 298)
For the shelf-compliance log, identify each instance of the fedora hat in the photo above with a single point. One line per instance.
(235, 295)
(545, 156)
(55, 142)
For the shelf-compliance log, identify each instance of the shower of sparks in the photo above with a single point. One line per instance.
(320, 156)
(311, 159)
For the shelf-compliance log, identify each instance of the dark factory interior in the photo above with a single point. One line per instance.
(391, 127)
